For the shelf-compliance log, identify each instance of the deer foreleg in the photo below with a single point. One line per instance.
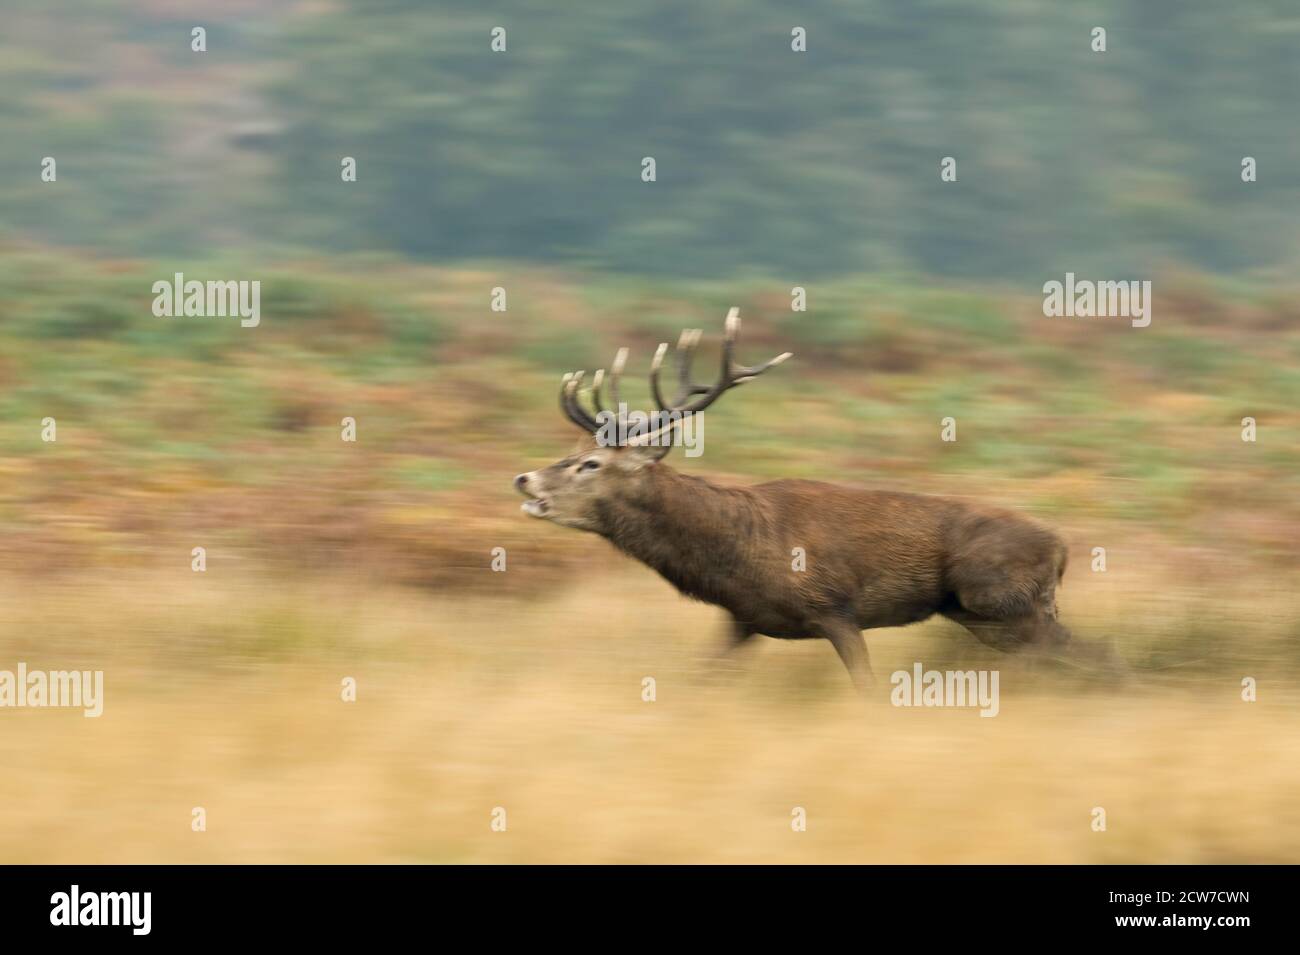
(721, 660)
(846, 638)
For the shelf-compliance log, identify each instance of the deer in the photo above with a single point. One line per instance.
(870, 558)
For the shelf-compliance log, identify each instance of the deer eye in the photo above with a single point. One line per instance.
(589, 465)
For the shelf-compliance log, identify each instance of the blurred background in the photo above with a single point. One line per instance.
(521, 170)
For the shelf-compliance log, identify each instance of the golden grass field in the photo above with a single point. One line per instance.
(522, 689)
(223, 691)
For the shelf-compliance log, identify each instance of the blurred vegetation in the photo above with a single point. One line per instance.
(178, 432)
(793, 165)
(226, 685)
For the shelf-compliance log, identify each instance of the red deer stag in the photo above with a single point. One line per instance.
(871, 558)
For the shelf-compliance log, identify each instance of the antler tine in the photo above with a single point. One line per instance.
(685, 352)
(576, 385)
(686, 343)
(731, 374)
(569, 402)
(571, 390)
(655, 364)
(615, 374)
(747, 374)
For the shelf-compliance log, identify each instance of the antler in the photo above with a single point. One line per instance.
(571, 385)
(569, 402)
(730, 376)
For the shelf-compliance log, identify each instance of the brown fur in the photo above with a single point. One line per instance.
(873, 558)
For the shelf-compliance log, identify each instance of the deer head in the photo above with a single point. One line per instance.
(614, 463)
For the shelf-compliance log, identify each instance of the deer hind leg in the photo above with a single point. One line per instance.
(1009, 614)
(1008, 619)
(1045, 638)
(1035, 631)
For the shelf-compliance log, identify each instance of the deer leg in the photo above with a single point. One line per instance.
(1042, 634)
(737, 635)
(1007, 614)
(1053, 639)
(1013, 634)
(846, 638)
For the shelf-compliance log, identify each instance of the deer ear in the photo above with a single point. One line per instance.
(638, 457)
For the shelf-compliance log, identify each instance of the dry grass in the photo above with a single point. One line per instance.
(223, 692)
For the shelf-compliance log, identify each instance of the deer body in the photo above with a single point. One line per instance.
(870, 558)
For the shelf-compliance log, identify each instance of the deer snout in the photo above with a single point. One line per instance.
(536, 505)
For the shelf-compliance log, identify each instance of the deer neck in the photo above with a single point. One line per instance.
(696, 534)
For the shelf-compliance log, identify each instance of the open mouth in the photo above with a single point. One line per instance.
(535, 507)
